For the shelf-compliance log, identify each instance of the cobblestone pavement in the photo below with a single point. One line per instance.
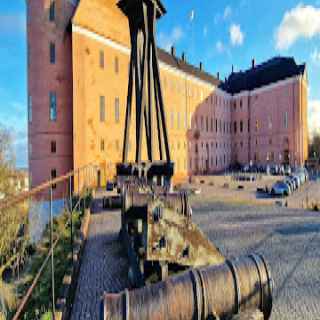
(104, 266)
(288, 238)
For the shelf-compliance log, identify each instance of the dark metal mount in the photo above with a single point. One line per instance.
(144, 76)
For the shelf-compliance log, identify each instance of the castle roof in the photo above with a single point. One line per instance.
(181, 64)
(271, 71)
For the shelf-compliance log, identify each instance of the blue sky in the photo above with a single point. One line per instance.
(221, 34)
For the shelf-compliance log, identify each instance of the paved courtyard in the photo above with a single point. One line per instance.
(288, 238)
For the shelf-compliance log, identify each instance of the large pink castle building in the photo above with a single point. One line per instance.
(78, 55)
(258, 116)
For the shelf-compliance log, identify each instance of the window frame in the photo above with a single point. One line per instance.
(53, 106)
(102, 109)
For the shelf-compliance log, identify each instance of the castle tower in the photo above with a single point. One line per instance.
(49, 89)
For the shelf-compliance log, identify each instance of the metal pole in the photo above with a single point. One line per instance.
(71, 211)
(52, 256)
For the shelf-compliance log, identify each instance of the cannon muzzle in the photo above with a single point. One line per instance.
(213, 292)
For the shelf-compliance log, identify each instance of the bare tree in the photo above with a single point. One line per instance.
(314, 147)
(11, 221)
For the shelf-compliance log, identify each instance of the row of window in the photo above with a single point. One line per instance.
(206, 146)
(103, 109)
(52, 107)
(204, 163)
(222, 126)
(217, 125)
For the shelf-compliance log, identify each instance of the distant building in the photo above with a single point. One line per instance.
(259, 116)
(78, 57)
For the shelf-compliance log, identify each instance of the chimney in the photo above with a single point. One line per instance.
(173, 51)
(201, 66)
(232, 68)
(184, 57)
(218, 75)
(253, 63)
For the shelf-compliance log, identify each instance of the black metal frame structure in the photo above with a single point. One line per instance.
(144, 76)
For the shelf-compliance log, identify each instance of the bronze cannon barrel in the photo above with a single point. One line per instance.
(217, 291)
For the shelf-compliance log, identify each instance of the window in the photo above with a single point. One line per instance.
(270, 141)
(53, 147)
(235, 127)
(52, 53)
(102, 145)
(249, 125)
(207, 124)
(286, 122)
(241, 126)
(240, 104)
(53, 106)
(257, 125)
(101, 59)
(30, 109)
(116, 65)
(272, 156)
(269, 122)
(52, 11)
(201, 122)
(216, 125)
(53, 176)
(117, 110)
(211, 124)
(102, 109)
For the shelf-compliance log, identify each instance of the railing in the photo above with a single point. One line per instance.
(37, 234)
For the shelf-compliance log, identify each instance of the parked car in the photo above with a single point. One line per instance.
(280, 188)
(274, 170)
(290, 184)
(287, 170)
(297, 180)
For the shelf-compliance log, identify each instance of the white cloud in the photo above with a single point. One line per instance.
(227, 12)
(166, 41)
(236, 35)
(220, 46)
(302, 21)
(315, 56)
(313, 117)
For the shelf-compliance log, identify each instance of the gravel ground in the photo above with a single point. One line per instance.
(288, 238)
